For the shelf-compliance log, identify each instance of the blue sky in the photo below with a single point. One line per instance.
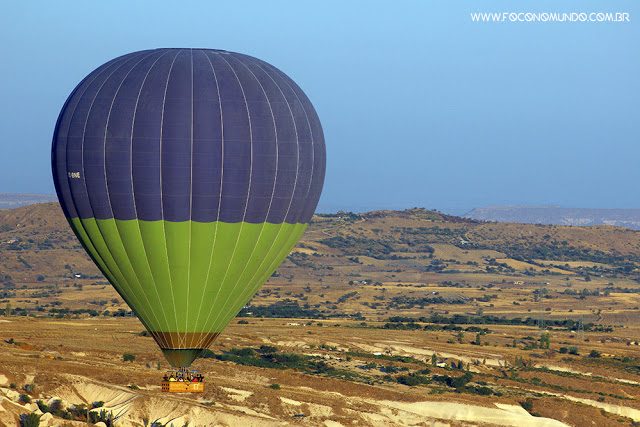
(420, 105)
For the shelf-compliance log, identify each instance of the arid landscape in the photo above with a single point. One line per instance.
(383, 318)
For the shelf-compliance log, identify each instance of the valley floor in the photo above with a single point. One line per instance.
(344, 374)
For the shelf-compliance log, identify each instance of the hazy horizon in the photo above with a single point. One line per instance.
(420, 105)
(333, 208)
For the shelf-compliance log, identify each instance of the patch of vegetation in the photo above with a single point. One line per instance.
(128, 357)
(413, 379)
(404, 302)
(353, 246)
(281, 309)
(102, 416)
(463, 319)
(625, 363)
(402, 359)
(527, 405)
(267, 357)
(556, 251)
(30, 420)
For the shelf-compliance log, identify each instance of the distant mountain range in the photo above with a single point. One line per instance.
(14, 200)
(629, 218)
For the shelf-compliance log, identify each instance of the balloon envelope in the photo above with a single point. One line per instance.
(188, 175)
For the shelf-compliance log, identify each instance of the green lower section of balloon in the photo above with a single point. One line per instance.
(186, 279)
(181, 357)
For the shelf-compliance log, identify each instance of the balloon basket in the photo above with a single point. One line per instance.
(181, 387)
(182, 381)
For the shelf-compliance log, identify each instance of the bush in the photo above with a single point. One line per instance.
(29, 420)
(243, 352)
(29, 388)
(267, 349)
(595, 353)
(391, 369)
(275, 386)
(77, 412)
(128, 357)
(574, 351)
(42, 406)
(413, 379)
(481, 390)
(455, 382)
(24, 398)
(102, 416)
(527, 405)
(56, 408)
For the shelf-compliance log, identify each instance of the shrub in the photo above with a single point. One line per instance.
(243, 352)
(30, 420)
(527, 405)
(455, 382)
(574, 350)
(102, 416)
(24, 398)
(267, 349)
(595, 353)
(42, 406)
(413, 379)
(56, 408)
(29, 388)
(275, 386)
(77, 412)
(391, 369)
(481, 390)
(128, 357)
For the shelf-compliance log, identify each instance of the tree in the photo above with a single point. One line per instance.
(545, 340)
(477, 340)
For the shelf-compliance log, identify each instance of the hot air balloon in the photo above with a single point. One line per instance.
(188, 175)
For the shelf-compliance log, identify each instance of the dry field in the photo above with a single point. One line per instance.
(80, 362)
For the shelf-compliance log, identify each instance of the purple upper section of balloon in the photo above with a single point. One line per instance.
(189, 134)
